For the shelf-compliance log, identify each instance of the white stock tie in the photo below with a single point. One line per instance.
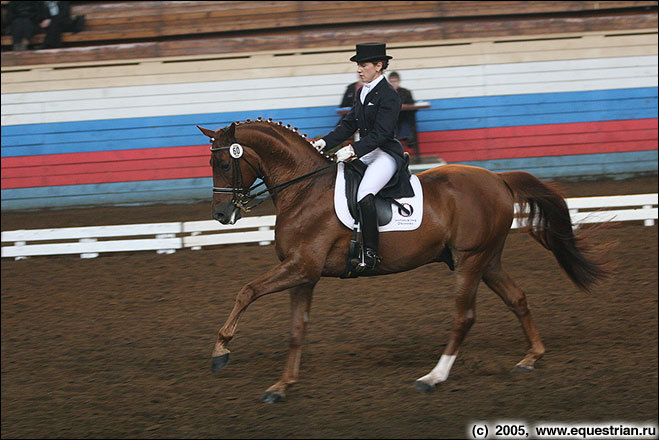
(365, 89)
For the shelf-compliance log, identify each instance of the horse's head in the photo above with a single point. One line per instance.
(234, 170)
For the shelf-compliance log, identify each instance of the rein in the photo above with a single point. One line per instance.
(243, 196)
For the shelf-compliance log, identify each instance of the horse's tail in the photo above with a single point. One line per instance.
(549, 223)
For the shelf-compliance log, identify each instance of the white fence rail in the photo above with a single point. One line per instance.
(166, 237)
(169, 237)
(638, 207)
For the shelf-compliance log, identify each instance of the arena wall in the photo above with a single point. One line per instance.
(571, 105)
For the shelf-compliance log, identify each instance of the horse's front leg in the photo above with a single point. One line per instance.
(300, 308)
(288, 274)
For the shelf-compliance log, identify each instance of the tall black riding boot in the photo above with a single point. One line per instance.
(370, 233)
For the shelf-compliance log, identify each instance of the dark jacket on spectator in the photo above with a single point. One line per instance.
(407, 119)
(349, 95)
(35, 11)
(405, 96)
(23, 19)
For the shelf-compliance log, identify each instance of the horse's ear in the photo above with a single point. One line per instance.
(231, 131)
(207, 132)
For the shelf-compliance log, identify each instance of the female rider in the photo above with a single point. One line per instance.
(375, 115)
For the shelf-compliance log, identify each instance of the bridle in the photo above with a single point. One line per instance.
(242, 196)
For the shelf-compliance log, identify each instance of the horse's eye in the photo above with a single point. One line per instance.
(225, 166)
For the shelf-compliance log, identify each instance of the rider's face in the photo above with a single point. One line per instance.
(368, 71)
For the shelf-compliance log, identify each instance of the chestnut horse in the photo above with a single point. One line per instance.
(467, 213)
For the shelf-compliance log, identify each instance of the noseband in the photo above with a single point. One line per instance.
(242, 196)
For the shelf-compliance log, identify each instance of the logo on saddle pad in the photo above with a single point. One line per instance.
(408, 213)
(399, 219)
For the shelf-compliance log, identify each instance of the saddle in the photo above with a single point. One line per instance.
(354, 173)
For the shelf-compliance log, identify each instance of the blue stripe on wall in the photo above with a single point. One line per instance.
(444, 114)
(537, 109)
(164, 121)
(157, 191)
(103, 136)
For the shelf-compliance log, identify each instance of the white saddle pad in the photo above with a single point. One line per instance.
(399, 221)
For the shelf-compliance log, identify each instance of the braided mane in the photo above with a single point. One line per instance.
(285, 130)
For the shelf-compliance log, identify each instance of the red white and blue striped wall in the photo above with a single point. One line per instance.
(78, 143)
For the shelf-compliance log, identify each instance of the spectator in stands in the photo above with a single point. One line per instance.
(406, 128)
(24, 19)
(349, 95)
(59, 21)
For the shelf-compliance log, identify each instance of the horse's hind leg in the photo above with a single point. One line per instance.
(300, 308)
(501, 283)
(464, 318)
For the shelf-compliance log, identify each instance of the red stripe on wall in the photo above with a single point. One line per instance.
(452, 146)
(106, 167)
(541, 140)
(104, 156)
(106, 177)
(544, 151)
(137, 165)
(543, 130)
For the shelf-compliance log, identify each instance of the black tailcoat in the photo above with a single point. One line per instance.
(376, 121)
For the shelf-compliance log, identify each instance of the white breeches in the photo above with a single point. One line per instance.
(381, 167)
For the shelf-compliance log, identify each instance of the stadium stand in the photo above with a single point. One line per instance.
(142, 29)
(559, 89)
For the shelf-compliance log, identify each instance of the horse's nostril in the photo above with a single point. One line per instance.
(222, 217)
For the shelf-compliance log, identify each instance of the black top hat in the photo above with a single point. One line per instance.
(370, 52)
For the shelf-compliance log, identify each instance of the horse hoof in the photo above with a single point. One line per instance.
(524, 368)
(271, 397)
(423, 387)
(219, 362)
